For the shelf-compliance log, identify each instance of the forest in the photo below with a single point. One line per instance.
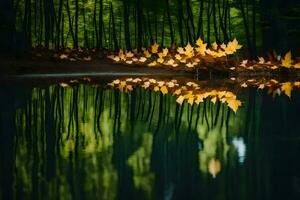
(260, 25)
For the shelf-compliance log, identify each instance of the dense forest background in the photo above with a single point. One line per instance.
(261, 25)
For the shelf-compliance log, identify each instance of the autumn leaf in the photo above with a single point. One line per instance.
(156, 88)
(287, 61)
(142, 59)
(287, 88)
(214, 167)
(180, 99)
(165, 52)
(164, 90)
(234, 104)
(297, 65)
(154, 48)
(214, 46)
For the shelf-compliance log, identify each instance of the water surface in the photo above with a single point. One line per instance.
(87, 141)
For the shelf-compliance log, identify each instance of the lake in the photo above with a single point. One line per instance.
(146, 138)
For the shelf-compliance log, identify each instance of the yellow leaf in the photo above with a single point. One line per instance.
(152, 64)
(214, 46)
(214, 167)
(180, 50)
(165, 52)
(116, 58)
(164, 90)
(287, 61)
(234, 104)
(156, 88)
(180, 99)
(147, 54)
(189, 51)
(160, 60)
(274, 67)
(142, 59)
(129, 54)
(199, 42)
(178, 57)
(191, 100)
(171, 62)
(177, 92)
(287, 88)
(297, 65)
(214, 100)
(154, 48)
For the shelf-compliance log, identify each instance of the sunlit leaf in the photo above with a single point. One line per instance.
(287, 60)
(154, 48)
(287, 88)
(164, 90)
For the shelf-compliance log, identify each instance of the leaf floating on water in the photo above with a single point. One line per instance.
(64, 85)
(164, 90)
(180, 99)
(287, 61)
(234, 104)
(214, 167)
(287, 89)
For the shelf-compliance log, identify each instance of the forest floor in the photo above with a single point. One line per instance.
(52, 65)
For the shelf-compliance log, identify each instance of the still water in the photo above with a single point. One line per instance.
(86, 141)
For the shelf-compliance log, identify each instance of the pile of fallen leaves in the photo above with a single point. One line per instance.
(191, 92)
(273, 87)
(188, 56)
(273, 63)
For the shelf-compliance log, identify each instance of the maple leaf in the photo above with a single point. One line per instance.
(63, 56)
(180, 50)
(189, 51)
(177, 92)
(190, 65)
(178, 56)
(214, 46)
(297, 65)
(154, 48)
(287, 61)
(160, 60)
(147, 54)
(142, 59)
(116, 58)
(152, 64)
(165, 52)
(234, 104)
(171, 62)
(156, 88)
(191, 99)
(180, 99)
(287, 88)
(199, 42)
(129, 54)
(164, 90)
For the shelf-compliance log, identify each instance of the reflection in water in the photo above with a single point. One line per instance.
(87, 142)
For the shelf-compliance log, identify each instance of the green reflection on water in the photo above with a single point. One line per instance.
(87, 142)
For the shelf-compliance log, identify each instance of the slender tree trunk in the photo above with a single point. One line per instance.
(70, 23)
(76, 23)
(126, 25)
(191, 18)
(170, 22)
(200, 32)
(179, 19)
(100, 24)
(139, 24)
(254, 26)
(245, 21)
(215, 21)
(114, 35)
